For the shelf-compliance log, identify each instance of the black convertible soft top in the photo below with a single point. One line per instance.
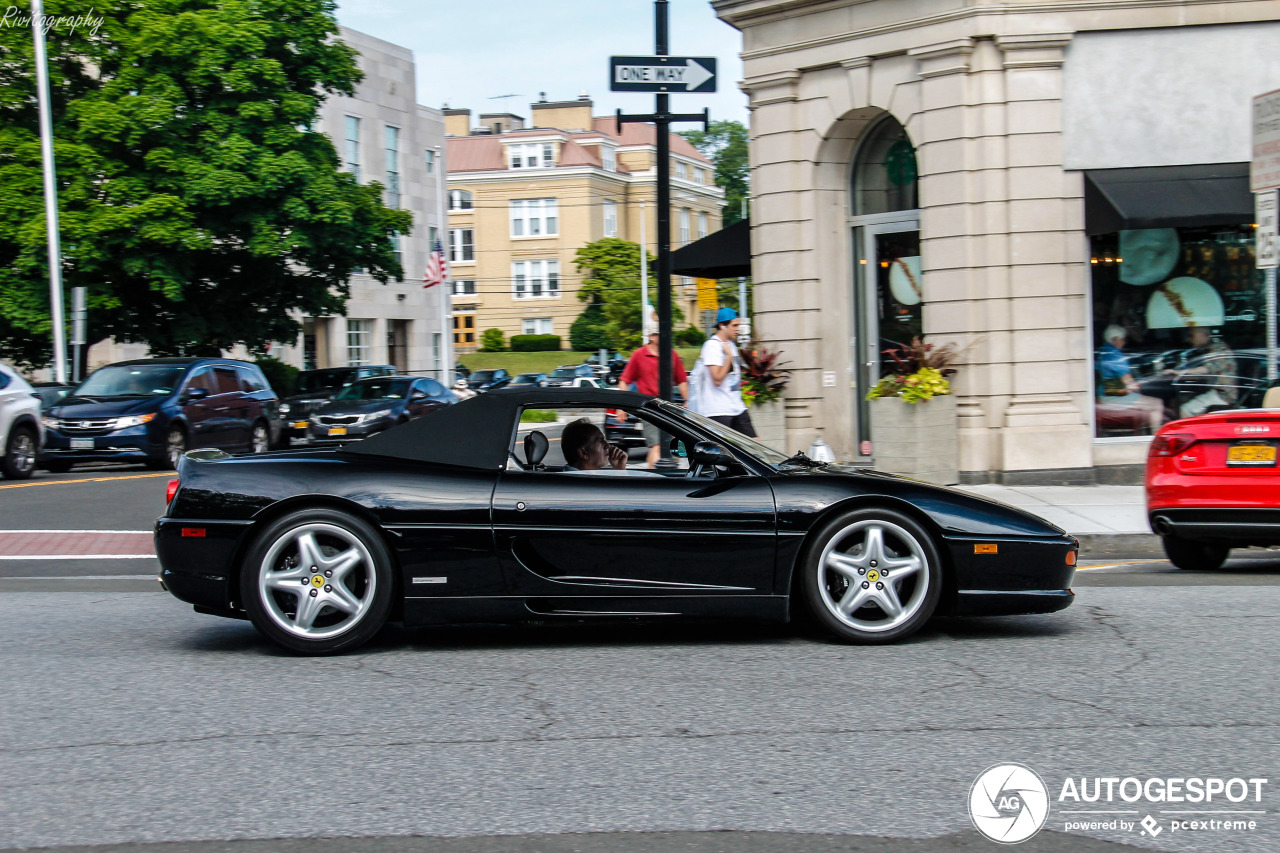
(476, 433)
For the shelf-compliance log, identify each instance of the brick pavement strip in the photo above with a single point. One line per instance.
(71, 543)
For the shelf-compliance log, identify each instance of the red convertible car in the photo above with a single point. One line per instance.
(1213, 485)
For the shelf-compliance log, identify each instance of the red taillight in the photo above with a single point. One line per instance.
(171, 491)
(1171, 444)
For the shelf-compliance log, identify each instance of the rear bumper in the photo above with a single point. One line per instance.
(1233, 526)
(200, 568)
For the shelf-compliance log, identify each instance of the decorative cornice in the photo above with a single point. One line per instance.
(948, 57)
(1041, 50)
(776, 88)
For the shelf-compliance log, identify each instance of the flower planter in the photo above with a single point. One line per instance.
(770, 421)
(916, 439)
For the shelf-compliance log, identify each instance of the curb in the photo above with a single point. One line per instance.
(1096, 545)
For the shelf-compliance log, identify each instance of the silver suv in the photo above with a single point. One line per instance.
(20, 431)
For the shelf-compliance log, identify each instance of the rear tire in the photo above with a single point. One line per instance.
(1194, 556)
(318, 581)
(19, 460)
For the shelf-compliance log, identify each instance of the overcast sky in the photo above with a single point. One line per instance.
(469, 52)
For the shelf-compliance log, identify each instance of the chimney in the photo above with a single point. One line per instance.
(563, 115)
(457, 122)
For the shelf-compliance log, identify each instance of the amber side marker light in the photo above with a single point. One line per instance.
(985, 549)
(1071, 558)
(171, 491)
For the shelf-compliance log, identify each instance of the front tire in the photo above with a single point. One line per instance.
(19, 460)
(174, 446)
(1194, 556)
(872, 576)
(260, 438)
(318, 582)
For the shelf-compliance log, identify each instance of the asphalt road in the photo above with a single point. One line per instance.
(129, 720)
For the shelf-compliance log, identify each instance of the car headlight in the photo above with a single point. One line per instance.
(284, 408)
(49, 423)
(381, 413)
(134, 420)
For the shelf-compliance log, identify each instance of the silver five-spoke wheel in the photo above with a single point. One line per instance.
(318, 581)
(873, 576)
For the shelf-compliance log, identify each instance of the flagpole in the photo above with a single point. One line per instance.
(446, 286)
(50, 194)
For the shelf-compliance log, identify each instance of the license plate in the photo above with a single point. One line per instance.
(337, 430)
(82, 444)
(299, 424)
(1251, 454)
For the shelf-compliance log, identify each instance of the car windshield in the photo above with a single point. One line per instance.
(731, 437)
(132, 380)
(324, 380)
(525, 379)
(483, 376)
(565, 372)
(375, 389)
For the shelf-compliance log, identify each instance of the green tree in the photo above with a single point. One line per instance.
(588, 332)
(612, 268)
(492, 340)
(724, 143)
(197, 205)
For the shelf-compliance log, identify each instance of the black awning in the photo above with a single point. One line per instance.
(724, 254)
(1166, 197)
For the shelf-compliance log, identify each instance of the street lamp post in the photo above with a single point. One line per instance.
(50, 194)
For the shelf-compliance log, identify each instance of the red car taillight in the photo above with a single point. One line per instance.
(171, 491)
(1171, 444)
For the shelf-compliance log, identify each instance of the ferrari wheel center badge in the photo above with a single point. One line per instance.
(317, 581)
(873, 576)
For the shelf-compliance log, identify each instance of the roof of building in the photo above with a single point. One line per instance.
(483, 152)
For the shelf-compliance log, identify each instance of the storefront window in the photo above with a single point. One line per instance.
(885, 177)
(1179, 326)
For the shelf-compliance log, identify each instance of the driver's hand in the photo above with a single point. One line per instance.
(617, 457)
(621, 416)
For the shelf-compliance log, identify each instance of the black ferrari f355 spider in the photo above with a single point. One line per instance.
(470, 515)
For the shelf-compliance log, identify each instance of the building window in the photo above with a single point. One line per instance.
(610, 218)
(533, 217)
(464, 287)
(462, 245)
(536, 326)
(359, 342)
(460, 200)
(464, 329)
(533, 155)
(393, 166)
(353, 146)
(609, 158)
(1179, 326)
(397, 248)
(433, 234)
(430, 157)
(535, 279)
(681, 170)
(884, 172)
(684, 226)
(699, 176)
(702, 224)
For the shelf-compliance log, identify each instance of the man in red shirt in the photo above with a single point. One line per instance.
(642, 369)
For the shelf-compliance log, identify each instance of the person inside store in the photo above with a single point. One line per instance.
(1121, 398)
(1208, 356)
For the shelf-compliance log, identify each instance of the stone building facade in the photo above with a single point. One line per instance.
(966, 170)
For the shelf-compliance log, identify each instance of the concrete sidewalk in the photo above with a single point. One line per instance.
(1108, 520)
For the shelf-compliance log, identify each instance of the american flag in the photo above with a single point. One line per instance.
(437, 267)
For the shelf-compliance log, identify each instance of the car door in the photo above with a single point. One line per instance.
(635, 533)
(233, 407)
(203, 424)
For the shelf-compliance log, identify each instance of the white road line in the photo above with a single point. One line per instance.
(140, 532)
(82, 557)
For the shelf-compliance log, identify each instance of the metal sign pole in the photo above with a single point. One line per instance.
(1266, 257)
(50, 195)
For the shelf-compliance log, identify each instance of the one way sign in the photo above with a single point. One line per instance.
(662, 74)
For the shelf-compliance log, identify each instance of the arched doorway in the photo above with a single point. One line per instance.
(887, 292)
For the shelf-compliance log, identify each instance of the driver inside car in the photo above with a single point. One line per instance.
(585, 449)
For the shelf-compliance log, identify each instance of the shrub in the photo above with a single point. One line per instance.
(535, 343)
(493, 340)
(279, 375)
(538, 416)
(588, 331)
(691, 336)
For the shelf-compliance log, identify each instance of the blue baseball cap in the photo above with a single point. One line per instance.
(724, 315)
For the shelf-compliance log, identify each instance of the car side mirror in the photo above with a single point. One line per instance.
(196, 394)
(418, 394)
(710, 453)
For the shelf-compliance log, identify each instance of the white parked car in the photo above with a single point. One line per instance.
(20, 430)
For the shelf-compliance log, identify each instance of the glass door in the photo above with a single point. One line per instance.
(889, 300)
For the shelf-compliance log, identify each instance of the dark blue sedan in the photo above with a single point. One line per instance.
(372, 405)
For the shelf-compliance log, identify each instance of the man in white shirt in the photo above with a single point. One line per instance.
(720, 396)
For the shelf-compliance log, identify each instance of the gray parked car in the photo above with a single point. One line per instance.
(20, 430)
